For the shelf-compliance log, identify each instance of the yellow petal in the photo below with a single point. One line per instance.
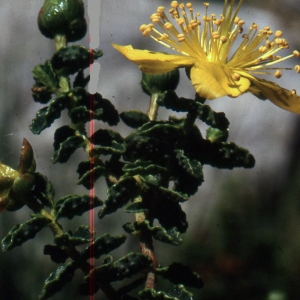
(281, 97)
(154, 62)
(212, 80)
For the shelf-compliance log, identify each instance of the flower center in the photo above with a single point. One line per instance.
(213, 40)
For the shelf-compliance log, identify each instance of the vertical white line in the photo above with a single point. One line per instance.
(94, 26)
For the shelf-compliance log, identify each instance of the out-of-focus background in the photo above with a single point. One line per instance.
(243, 236)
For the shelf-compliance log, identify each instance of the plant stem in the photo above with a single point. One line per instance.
(153, 107)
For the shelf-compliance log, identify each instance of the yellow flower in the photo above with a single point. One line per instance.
(220, 57)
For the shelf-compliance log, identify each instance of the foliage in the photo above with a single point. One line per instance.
(149, 173)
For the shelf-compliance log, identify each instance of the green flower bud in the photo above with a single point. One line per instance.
(23, 184)
(27, 161)
(62, 17)
(159, 83)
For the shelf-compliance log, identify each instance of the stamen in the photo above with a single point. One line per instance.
(278, 74)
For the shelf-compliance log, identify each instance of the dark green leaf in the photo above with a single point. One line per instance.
(188, 172)
(136, 207)
(80, 80)
(23, 232)
(225, 155)
(170, 236)
(119, 194)
(89, 172)
(114, 148)
(177, 273)
(75, 205)
(80, 236)
(45, 75)
(180, 293)
(105, 137)
(57, 254)
(127, 266)
(103, 245)
(43, 190)
(70, 59)
(173, 195)
(56, 281)
(134, 118)
(47, 115)
(67, 148)
(216, 135)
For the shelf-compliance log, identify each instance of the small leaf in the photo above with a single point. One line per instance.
(134, 118)
(173, 195)
(75, 205)
(67, 148)
(56, 281)
(81, 236)
(43, 190)
(47, 115)
(44, 74)
(180, 293)
(105, 137)
(80, 80)
(216, 135)
(103, 245)
(136, 207)
(178, 273)
(23, 232)
(114, 148)
(119, 194)
(89, 172)
(170, 236)
(57, 254)
(125, 267)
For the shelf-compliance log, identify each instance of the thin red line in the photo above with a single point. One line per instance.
(92, 190)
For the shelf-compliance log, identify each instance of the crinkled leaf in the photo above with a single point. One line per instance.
(105, 137)
(56, 281)
(43, 190)
(173, 195)
(70, 59)
(80, 80)
(151, 294)
(170, 236)
(136, 207)
(178, 273)
(67, 148)
(45, 75)
(47, 115)
(225, 155)
(119, 194)
(89, 172)
(114, 148)
(79, 237)
(103, 245)
(144, 168)
(216, 135)
(180, 293)
(170, 100)
(57, 254)
(90, 107)
(125, 267)
(75, 205)
(134, 118)
(188, 172)
(23, 232)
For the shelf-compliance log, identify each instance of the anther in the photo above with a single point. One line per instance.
(236, 20)
(174, 4)
(294, 92)
(180, 37)
(181, 6)
(223, 39)
(296, 53)
(278, 33)
(216, 35)
(189, 5)
(297, 68)
(168, 25)
(180, 21)
(278, 74)
(236, 76)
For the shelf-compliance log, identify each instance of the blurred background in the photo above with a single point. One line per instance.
(243, 236)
